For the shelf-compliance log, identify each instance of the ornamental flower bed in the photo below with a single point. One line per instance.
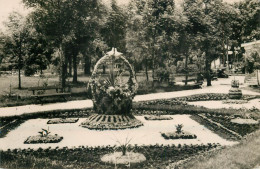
(163, 102)
(110, 94)
(157, 117)
(179, 134)
(240, 128)
(182, 135)
(43, 139)
(63, 120)
(111, 122)
(235, 92)
(157, 156)
(234, 101)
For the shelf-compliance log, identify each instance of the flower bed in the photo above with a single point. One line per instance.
(157, 117)
(157, 156)
(111, 122)
(63, 120)
(234, 101)
(163, 102)
(182, 135)
(240, 128)
(192, 98)
(216, 129)
(8, 125)
(118, 158)
(43, 139)
(112, 95)
(244, 121)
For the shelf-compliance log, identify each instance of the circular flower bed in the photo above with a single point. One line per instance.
(43, 139)
(182, 135)
(119, 158)
(111, 122)
(62, 120)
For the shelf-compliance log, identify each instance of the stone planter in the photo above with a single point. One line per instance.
(235, 92)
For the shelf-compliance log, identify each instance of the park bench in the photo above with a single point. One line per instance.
(197, 83)
(33, 89)
(189, 80)
(39, 97)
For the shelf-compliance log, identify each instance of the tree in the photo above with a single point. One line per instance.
(205, 29)
(15, 43)
(2, 39)
(114, 30)
(152, 32)
(38, 54)
(136, 45)
(63, 22)
(249, 19)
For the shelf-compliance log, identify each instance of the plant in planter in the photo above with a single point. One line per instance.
(179, 134)
(179, 128)
(44, 132)
(123, 157)
(235, 92)
(44, 137)
(112, 94)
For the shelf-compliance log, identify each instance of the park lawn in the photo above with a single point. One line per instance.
(245, 155)
(33, 81)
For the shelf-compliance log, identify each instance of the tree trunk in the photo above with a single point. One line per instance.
(208, 75)
(75, 71)
(146, 70)
(62, 70)
(87, 65)
(19, 78)
(20, 64)
(70, 66)
(186, 70)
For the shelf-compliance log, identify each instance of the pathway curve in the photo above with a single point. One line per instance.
(220, 86)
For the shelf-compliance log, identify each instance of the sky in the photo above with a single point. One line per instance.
(8, 6)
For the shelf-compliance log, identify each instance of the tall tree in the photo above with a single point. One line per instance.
(62, 22)
(114, 30)
(38, 54)
(204, 29)
(250, 22)
(15, 43)
(156, 35)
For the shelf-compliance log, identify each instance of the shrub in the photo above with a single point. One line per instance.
(179, 128)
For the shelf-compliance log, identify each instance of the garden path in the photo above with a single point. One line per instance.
(220, 86)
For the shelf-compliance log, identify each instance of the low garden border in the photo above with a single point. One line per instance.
(157, 156)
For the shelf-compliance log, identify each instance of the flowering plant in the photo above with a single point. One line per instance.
(235, 83)
(110, 95)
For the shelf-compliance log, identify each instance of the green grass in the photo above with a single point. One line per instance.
(245, 155)
(9, 86)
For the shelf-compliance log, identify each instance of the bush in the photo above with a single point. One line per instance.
(162, 74)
